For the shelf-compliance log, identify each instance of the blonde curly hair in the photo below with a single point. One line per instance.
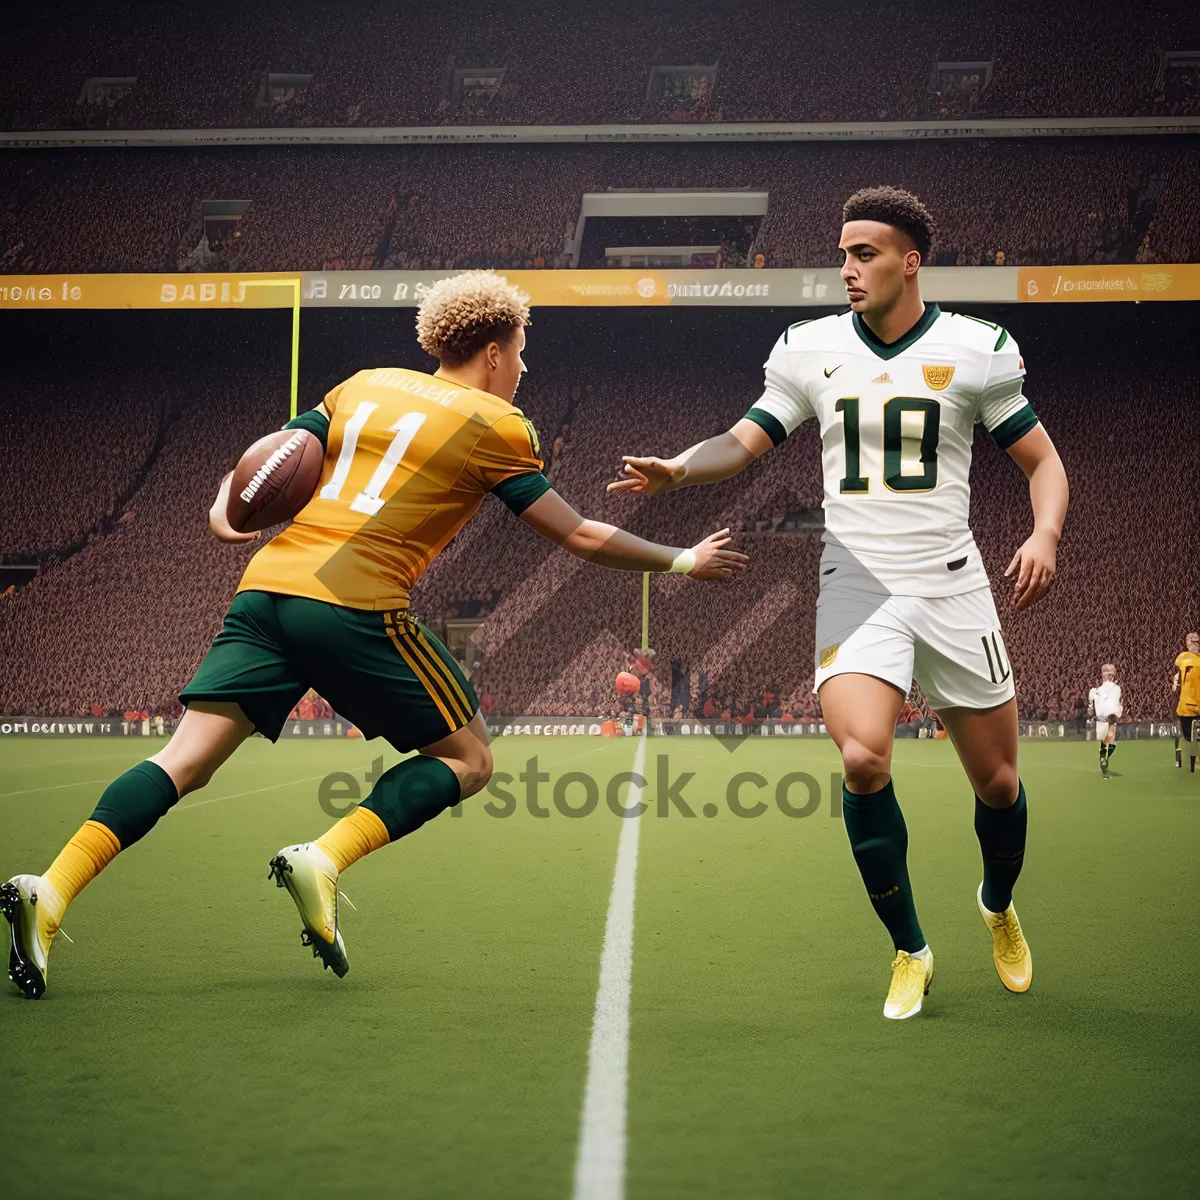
(460, 315)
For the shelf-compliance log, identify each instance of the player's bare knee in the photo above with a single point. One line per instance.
(867, 770)
(999, 790)
(192, 778)
(478, 771)
(189, 774)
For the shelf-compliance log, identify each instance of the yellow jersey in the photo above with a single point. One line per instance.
(408, 459)
(1188, 666)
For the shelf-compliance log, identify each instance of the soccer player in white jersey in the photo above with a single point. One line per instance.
(897, 387)
(1104, 703)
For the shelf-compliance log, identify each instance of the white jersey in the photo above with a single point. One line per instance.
(897, 422)
(1105, 701)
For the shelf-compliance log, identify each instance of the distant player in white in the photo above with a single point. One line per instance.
(897, 388)
(1104, 703)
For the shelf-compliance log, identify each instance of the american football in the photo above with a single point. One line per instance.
(274, 479)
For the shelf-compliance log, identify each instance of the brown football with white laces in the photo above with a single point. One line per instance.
(274, 479)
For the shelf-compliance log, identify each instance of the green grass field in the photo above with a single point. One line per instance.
(189, 1046)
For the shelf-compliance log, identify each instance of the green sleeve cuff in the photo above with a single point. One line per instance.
(1012, 430)
(520, 491)
(770, 422)
(316, 422)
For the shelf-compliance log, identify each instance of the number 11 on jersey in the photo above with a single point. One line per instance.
(369, 500)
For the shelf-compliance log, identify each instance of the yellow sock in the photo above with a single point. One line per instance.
(354, 836)
(81, 860)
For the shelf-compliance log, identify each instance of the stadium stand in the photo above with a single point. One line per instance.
(123, 620)
(1043, 202)
(377, 62)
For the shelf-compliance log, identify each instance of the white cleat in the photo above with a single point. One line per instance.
(310, 877)
(32, 926)
(911, 976)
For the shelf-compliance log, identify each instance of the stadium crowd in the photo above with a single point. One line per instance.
(1044, 202)
(122, 621)
(375, 62)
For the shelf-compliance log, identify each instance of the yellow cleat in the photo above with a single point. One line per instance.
(1010, 950)
(33, 909)
(911, 976)
(311, 880)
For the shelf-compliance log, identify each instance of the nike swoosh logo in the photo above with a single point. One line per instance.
(828, 372)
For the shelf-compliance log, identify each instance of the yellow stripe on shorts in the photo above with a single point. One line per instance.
(441, 675)
(422, 678)
(450, 677)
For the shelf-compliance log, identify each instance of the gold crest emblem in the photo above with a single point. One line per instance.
(937, 379)
(828, 654)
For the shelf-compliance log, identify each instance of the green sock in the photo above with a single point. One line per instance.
(411, 793)
(1001, 833)
(879, 841)
(133, 802)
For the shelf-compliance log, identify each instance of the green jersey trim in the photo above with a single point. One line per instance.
(1014, 428)
(890, 349)
(316, 422)
(796, 326)
(769, 422)
(520, 491)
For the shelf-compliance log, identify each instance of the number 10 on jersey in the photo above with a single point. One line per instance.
(894, 479)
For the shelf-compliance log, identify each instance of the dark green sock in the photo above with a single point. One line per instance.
(1001, 834)
(413, 792)
(133, 803)
(1112, 749)
(879, 840)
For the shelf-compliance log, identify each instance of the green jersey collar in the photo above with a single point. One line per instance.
(891, 349)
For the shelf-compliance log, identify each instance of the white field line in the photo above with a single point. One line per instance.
(600, 1164)
(254, 791)
(306, 779)
(53, 787)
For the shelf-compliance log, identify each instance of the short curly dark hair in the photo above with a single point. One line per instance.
(898, 208)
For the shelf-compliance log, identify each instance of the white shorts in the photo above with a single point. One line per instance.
(1101, 728)
(951, 645)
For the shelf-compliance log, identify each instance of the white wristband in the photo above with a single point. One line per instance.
(684, 564)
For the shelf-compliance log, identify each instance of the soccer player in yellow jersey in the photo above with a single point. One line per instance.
(408, 459)
(1187, 684)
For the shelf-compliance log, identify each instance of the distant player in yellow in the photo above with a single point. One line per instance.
(325, 604)
(1187, 684)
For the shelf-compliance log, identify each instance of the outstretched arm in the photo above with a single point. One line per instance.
(608, 546)
(1036, 560)
(709, 461)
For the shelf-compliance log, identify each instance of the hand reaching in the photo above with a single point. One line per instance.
(713, 560)
(646, 476)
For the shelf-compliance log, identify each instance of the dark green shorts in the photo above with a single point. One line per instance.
(384, 671)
